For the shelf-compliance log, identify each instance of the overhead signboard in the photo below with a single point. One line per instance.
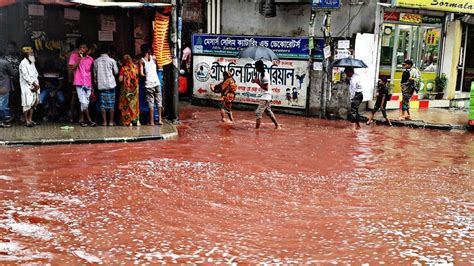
(231, 45)
(326, 4)
(457, 6)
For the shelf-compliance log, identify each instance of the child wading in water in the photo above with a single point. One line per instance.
(227, 89)
(383, 96)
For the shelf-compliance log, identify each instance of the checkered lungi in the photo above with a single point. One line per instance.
(107, 99)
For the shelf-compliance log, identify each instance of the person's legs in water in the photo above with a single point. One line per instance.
(354, 112)
(259, 113)
(383, 108)
(228, 110)
(270, 114)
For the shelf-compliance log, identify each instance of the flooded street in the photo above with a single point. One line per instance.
(313, 192)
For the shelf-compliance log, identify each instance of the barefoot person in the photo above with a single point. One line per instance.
(383, 96)
(29, 84)
(148, 66)
(355, 89)
(105, 69)
(227, 88)
(263, 79)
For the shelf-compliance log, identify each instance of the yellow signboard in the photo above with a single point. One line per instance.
(456, 6)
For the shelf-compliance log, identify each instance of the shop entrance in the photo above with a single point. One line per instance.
(465, 77)
(402, 41)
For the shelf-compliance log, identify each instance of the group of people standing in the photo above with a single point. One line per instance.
(409, 83)
(84, 74)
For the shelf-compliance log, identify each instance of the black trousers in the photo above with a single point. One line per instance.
(381, 103)
(354, 116)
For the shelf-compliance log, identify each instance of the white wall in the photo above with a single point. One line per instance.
(241, 17)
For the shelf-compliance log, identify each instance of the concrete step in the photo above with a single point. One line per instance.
(415, 103)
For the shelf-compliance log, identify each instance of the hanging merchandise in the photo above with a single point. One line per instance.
(161, 46)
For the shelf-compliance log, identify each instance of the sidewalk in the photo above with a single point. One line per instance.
(436, 118)
(59, 133)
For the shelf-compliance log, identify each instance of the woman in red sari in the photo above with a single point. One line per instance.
(128, 104)
(227, 88)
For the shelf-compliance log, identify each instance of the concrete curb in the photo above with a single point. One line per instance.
(422, 124)
(166, 136)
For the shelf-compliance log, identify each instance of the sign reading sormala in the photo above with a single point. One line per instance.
(289, 79)
(457, 6)
(231, 45)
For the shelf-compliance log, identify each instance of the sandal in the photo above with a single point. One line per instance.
(83, 124)
(92, 124)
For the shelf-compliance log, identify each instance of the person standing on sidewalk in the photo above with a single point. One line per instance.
(409, 77)
(6, 72)
(14, 57)
(30, 89)
(262, 78)
(81, 63)
(355, 89)
(383, 96)
(105, 70)
(148, 67)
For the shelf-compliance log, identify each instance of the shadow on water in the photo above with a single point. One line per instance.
(313, 192)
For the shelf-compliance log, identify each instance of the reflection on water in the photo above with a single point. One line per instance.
(313, 192)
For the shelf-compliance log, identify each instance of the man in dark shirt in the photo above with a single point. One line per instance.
(13, 57)
(6, 72)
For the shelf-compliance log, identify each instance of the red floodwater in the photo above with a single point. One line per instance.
(313, 192)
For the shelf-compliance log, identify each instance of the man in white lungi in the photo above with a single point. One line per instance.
(29, 84)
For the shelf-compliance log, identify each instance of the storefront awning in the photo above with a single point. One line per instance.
(96, 3)
(455, 6)
(4, 3)
(91, 3)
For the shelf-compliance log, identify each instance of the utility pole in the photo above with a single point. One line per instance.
(174, 115)
(325, 86)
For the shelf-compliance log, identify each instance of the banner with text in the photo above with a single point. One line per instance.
(231, 45)
(457, 6)
(289, 80)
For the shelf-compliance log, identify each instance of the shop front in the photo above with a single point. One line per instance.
(438, 37)
(410, 36)
(52, 28)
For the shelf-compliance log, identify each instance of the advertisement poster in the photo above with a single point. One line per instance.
(289, 79)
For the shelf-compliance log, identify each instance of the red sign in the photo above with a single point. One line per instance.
(393, 16)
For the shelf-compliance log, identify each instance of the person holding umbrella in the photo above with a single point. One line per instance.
(262, 78)
(355, 89)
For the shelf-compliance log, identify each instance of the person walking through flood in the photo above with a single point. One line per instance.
(262, 78)
(227, 89)
(355, 89)
(383, 96)
(30, 88)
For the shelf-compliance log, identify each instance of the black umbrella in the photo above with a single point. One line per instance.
(349, 62)
(258, 53)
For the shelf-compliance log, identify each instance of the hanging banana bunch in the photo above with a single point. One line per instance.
(161, 46)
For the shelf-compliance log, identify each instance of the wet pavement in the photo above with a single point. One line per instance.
(64, 133)
(313, 192)
(451, 118)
